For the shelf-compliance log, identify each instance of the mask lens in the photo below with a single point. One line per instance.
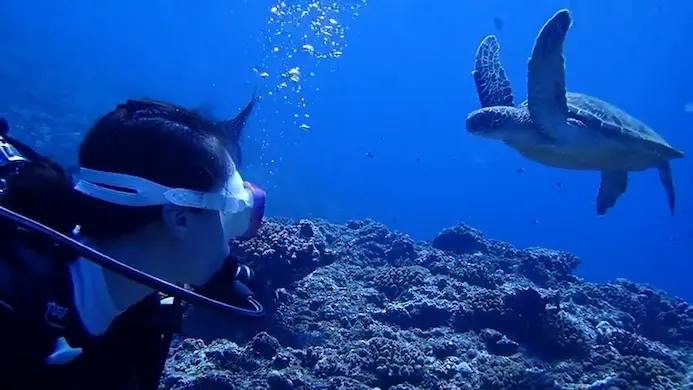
(243, 221)
(257, 210)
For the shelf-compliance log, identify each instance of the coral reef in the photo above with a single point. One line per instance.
(361, 307)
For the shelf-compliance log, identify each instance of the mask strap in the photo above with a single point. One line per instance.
(126, 190)
(135, 191)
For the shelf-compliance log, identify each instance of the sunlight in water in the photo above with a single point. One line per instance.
(301, 38)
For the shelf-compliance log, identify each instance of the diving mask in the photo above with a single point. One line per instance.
(241, 205)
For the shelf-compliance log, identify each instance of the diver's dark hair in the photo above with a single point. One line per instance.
(154, 140)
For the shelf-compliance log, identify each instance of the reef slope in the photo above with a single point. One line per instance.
(358, 306)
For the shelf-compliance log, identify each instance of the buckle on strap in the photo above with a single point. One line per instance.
(9, 154)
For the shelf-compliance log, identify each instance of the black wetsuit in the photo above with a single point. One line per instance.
(37, 308)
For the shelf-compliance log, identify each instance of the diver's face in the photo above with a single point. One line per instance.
(205, 247)
(201, 237)
(194, 247)
(198, 244)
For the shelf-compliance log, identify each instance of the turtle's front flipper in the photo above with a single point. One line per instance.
(546, 91)
(668, 183)
(492, 84)
(614, 184)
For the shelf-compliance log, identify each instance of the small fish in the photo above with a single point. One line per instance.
(498, 22)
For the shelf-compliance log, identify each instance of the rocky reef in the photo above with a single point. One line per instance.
(361, 307)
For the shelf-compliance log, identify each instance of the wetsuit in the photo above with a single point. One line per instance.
(38, 315)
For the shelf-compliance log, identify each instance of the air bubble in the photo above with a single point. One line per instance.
(319, 30)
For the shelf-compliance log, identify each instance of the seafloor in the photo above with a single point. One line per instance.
(361, 307)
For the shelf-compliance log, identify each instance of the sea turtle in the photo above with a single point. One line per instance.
(565, 129)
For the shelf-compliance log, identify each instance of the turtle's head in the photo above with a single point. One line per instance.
(499, 122)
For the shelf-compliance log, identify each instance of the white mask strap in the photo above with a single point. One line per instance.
(136, 191)
(139, 192)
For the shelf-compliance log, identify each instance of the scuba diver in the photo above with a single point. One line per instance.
(91, 267)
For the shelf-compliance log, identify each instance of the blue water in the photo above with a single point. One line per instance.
(386, 138)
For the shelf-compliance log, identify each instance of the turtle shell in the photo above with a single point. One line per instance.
(617, 125)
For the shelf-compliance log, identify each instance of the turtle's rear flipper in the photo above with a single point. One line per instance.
(614, 184)
(492, 84)
(668, 183)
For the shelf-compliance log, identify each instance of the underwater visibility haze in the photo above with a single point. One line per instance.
(362, 106)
